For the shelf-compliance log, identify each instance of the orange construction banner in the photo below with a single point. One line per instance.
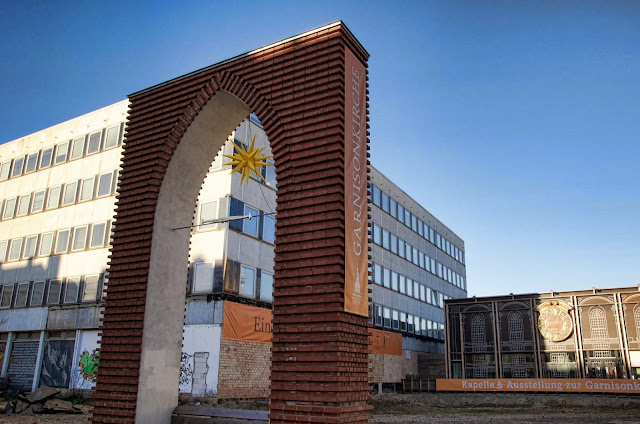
(385, 342)
(356, 292)
(246, 323)
(557, 385)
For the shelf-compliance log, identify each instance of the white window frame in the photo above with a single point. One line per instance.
(4, 250)
(12, 209)
(51, 196)
(35, 247)
(202, 218)
(75, 237)
(5, 170)
(93, 233)
(42, 244)
(6, 287)
(88, 142)
(33, 200)
(10, 258)
(57, 153)
(20, 204)
(26, 296)
(255, 277)
(33, 291)
(82, 140)
(40, 165)
(77, 281)
(20, 160)
(47, 300)
(110, 174)
(55, 246)
(97, 288)
(106, 137)
(81, 192)
(75, 193)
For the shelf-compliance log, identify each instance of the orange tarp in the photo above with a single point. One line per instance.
(247, 323)
(385, 342)
(558, 385)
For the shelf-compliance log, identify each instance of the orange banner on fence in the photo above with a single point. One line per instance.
(557, 385)
(356, 293)
(385, 342)
(247, 323)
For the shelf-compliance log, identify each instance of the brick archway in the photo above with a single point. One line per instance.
(298, 89)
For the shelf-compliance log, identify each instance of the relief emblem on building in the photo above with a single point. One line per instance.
(554, 321)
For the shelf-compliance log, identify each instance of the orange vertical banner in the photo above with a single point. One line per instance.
(356, 294)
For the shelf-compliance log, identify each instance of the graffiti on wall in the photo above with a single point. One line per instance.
(86, 372)
(186, 369)
(56, 363)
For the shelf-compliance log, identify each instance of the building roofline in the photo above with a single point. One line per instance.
(418, 203)
(252, 52)
(545, 295)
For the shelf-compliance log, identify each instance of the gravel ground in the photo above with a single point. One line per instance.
(467, 408)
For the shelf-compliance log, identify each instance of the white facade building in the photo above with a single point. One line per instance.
(57, 204)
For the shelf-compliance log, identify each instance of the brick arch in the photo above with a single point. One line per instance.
(298, 89)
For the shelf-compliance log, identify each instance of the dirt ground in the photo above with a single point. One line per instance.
(467, 408)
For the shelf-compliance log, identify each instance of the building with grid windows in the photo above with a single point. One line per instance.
(583, 334)
(58, 191)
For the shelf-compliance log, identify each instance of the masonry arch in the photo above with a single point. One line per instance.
(302, 90)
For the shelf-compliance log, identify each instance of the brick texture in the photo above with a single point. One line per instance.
(244, 369)
(319, 353)
(393, 368)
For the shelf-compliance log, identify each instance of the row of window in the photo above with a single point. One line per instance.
(397, 282)
(403, 215)
(61, 195)
(240, 279)
(405, 322)
(396, 245)
(79, 147)
(89, 236)
(65, 291)
(260, 225)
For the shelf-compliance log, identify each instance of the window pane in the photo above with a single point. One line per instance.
(7, 293)
(104, 185)
(386, 277)
(21, 296)
(395, 323)
(208, 212)
(400, 213)
(30, 247)
(53, 201)
(38, 201)
(32, 163)
(46, 242)
(386, 315)
(77, 148)
(407, 218)
(203, 277)
(376, 234)
(248, 282)
(403, 284)
(393, 208)
(376, 196)
(266, 286)
(250, 226)
(37, 294)
(416, 290)
(79, 238)
(23, 205)
(91, 283)
(86, 191)
(113, 134)
(69, 193)
(97, 234)
(61, 152)
(423, 296)
(3, 250)
(15, 250)
(394, 280)
(401, 248)
(94, 143)
(269, 231)
(62, 243)
(394, 244)
(18, 165)
(377, 274)
(385, 239)
(45, 159)
(5, 168)
(9, 208)
(385, 202)
(270, 177)
(55, 286)
(72, 288)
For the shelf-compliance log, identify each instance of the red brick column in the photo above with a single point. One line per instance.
(320, 353)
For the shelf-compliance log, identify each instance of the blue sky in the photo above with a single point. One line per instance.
(516, 123)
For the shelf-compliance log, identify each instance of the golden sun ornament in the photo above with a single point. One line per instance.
(245, 162)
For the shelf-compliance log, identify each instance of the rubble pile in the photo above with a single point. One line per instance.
(40, 402)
